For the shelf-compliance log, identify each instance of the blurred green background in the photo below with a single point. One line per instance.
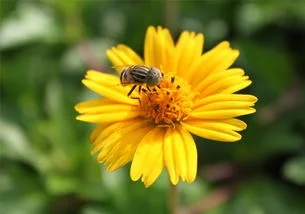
(46, 47)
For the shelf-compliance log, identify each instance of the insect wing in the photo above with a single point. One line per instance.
(120, 68)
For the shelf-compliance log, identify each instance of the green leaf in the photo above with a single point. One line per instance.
(294, 170)
(57, 184)
(254, 15)
(21, 192)
(14, 143)
(191, 193)
(261, 195)
(28, 24)
(270, 64)
(274, 139)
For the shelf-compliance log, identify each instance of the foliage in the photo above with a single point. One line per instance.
(46, 47)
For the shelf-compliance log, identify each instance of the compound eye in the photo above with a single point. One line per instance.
(153, 77)
(155, 71)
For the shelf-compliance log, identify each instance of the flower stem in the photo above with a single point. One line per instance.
(173, 199)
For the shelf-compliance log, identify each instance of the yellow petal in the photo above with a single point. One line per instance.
(149, 177)
(149, 46)
(236, 87)
(110, 128)
(158, 48)
(190, 154)
(114, 130)
(167, 36)
(223, 85)
(122, 55)
(230, 124)
(222, 130)
(169, 156)
(216, 60)
(221, 113)
(102, 106)
(103, 78)
(108, 86)
(129, 138)
(188, 50)
(110, 116)
(124, 150)
(148, 159)
(224, 98)
(214, 77)
(198, 68)
(119, 132)
(180, 155)
(97, 130)
(223, 106)
(107, 129)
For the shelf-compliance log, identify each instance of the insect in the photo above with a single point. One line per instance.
(137, 75)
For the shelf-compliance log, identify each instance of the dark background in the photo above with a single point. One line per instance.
(46, 47)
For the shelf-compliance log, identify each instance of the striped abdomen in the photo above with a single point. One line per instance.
(135, 74)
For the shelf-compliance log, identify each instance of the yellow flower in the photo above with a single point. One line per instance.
(197, 95)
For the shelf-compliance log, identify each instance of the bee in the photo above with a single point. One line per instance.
(138, 75)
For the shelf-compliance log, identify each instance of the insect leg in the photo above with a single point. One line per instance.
(131, 90)
(136, 98)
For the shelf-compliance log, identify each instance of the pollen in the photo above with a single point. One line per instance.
(168, 103)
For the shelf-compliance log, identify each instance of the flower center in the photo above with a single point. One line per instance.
(168, 103)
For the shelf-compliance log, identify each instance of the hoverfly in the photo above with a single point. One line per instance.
(137, 75)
